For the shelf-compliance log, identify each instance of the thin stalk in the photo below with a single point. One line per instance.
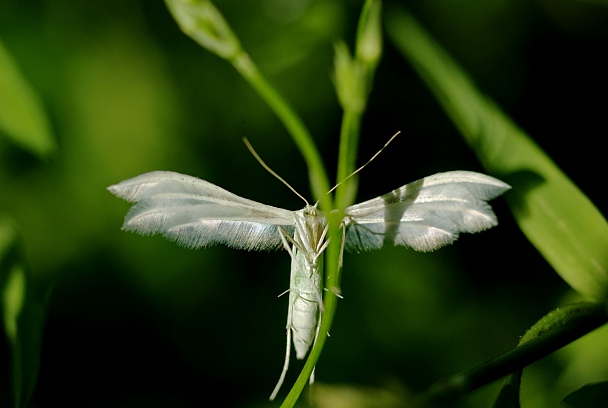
(349, 141)
(294, 125)
(353, 79)
(554, 331)
(205, 24)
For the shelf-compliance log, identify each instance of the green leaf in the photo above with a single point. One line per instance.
(23, 313)
(557, 218)
(368, 47)
(588, 396)
(203, 22)
(508, 397)
(331, 396)
(22, 116)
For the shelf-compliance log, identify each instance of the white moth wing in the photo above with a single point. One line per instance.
(426, 214)
(196, 213)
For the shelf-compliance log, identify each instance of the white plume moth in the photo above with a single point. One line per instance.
(424, 215)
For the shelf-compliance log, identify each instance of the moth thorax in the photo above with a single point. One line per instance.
(314, 227)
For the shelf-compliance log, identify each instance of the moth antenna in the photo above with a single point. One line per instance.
(269, 170)
(284, 292)
(368, 162)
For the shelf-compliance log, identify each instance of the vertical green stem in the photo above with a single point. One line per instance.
(348, 72)
(204, 23)
(349, 141)
(330, 301)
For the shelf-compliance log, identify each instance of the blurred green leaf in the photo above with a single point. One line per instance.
(203, 22)
(508, 397)
(22, 116)
(588, 396)
(368, 47)
(335, 396)
(553, 213)
(349, 79)
(23, 312)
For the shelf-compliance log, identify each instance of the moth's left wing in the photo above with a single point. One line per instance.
(196, 213)
(426, 214)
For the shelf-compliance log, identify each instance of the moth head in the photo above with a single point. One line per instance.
(311, 210)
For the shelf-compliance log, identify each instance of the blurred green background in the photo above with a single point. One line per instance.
(138, 321)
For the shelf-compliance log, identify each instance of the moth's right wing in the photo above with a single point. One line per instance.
(426, 214)
(195, 213)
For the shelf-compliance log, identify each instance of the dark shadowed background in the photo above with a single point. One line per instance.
(138, 321)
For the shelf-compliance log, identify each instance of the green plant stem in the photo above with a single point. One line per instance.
(316, 170)
(556, 330)
(320, 186)
(345, 195)
(349, 141)
(205, 24)
(353, 80)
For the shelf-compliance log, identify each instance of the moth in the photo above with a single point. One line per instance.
(424, 215)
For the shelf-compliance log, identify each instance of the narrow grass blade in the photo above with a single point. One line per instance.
(22, 116)
(23, 312)
(557, 218)
(588, 396)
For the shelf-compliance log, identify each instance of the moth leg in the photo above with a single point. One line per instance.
(335, 291)
(301, 231)
(322, 244)
(286, 363)
(285, 238)
(341, 257)
(319, 300)
(311, 380)
(284, 292)
(287, 241)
